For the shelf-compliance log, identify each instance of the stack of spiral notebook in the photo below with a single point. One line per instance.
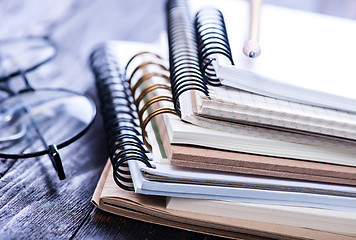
(189, 152)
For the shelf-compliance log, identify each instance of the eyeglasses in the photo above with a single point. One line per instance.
(36, 122)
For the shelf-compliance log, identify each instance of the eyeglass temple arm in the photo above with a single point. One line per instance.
(28, 86)
(56, 161)
(53, 153)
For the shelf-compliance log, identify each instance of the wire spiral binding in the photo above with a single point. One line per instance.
(122, 127)
(183, 58)
(127, 99)
(211, 36)
(123, 109)
(146, 88)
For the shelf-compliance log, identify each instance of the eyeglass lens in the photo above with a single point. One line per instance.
(32, 120)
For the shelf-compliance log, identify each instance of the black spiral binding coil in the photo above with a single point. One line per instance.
(211, 37)
(121, 97)
(122, 127)
(185, 72)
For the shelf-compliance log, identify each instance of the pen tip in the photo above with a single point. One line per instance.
(252, 54)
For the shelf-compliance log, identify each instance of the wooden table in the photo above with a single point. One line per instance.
(34, 204)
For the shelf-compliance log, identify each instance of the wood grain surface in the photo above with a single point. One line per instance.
(34, 204)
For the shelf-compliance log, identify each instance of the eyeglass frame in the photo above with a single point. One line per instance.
(52, 149)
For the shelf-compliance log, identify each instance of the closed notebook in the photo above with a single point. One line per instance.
(109, 197)
(222, 160)
(323, 71)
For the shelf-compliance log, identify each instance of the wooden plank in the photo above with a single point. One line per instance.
(103, 225)
(34, 202)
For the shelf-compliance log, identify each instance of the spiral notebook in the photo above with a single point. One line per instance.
(128, 112)
(222, 134)
(153, 209)
(237, 105)
(153, 178)
(302, 56)
(123, 133)
(116, 95)
(129, 141)
(228, 161)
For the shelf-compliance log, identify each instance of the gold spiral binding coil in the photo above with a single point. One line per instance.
(147, 76)
(146, 90)
(143, 65)
(149, 89)
(140, 54)
(149, 118)
(153, 100)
